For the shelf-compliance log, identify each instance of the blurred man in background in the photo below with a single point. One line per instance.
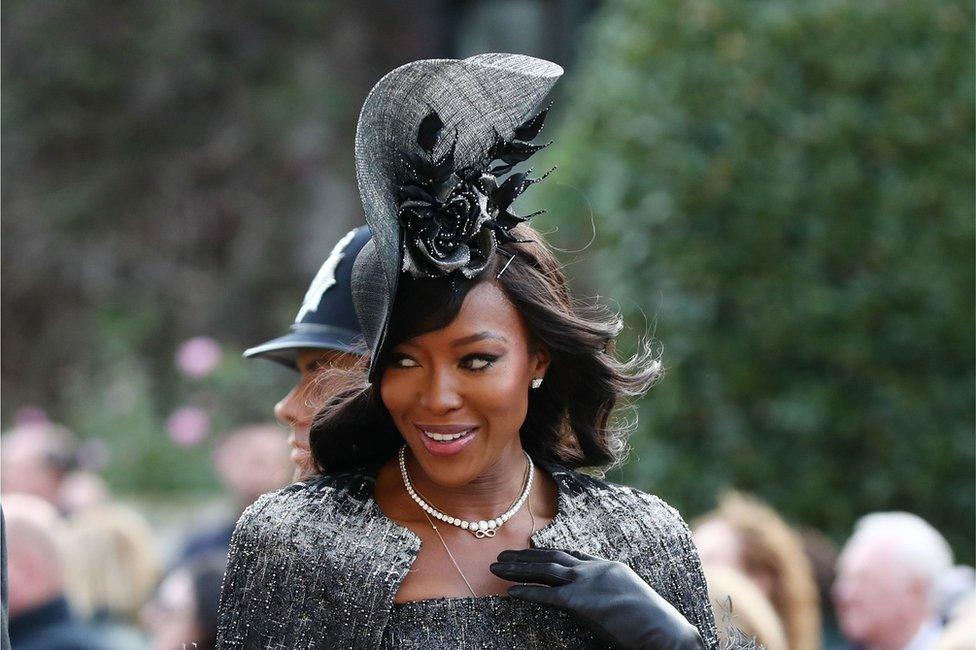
(39, 614)
(250, 461)
(886, 579)
(954, 588)
(36, 459)
(325, 334)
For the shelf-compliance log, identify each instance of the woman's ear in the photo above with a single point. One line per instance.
(541, 359)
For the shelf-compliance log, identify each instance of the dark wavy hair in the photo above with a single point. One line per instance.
(571, 418)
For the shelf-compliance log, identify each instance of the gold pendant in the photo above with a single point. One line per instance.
(481, 534)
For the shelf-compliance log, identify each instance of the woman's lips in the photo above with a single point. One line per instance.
(300, 450)
(446, 440)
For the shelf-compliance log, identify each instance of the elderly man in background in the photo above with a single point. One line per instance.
(886, 579)
(39, 614)
(36, 459)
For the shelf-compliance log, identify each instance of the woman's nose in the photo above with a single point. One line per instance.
(286, 410)
(441, 395)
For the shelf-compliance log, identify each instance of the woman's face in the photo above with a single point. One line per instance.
(459, 395)
(297, 409)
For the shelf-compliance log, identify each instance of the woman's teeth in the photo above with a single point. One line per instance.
(440, 437)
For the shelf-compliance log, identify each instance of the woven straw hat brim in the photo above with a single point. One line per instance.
(475, 98)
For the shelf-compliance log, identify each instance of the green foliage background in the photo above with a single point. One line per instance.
(783, 196)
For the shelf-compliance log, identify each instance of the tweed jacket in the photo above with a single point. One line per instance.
(317, 564)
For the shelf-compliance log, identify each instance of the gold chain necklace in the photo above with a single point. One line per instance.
(451, 555)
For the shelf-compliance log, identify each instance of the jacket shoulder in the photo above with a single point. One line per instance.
(637, 513)
(304, 548)
(646, 533)
(304, 505)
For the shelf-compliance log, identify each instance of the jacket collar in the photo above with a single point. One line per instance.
(570, 487)
(398, 546)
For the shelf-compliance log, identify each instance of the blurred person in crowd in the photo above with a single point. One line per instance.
(325, 334)
(887, 573)
(40, 617)
(748, 536)
(250, 461)
(954, 587)
(111, 570)
(4, 610)
(36, 459)
(82, 489)
(183, 612)
(822, 553)
(747, 610)
(960, 629)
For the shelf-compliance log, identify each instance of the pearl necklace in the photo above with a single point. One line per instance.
(480, 529)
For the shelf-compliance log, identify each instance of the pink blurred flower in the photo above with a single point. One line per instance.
(27, 415)
(188, 426)
(197, 357)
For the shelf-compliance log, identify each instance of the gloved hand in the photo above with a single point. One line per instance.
(607, 594)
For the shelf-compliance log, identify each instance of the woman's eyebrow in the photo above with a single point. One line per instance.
(474, 338)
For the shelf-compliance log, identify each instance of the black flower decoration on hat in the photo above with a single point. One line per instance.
(454, 219)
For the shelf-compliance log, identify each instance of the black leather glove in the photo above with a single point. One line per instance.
(607, 594)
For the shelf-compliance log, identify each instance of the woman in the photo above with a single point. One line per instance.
(736, 596)
(325, 334)
(447, 514)
(747, 535)
(111, 570)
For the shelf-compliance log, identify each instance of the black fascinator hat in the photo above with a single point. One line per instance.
(436, 144)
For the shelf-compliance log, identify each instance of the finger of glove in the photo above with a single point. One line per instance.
(552, 555)
(579, 555)
(536, 594)
(544, 573)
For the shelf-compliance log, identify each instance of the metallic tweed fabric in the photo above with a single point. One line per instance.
(317, 564)
(486, 622)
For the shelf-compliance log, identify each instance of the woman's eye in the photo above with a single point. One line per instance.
(479, 361)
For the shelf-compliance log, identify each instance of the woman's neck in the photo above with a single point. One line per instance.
(489, 495)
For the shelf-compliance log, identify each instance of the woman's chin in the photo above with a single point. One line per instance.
(449, 472)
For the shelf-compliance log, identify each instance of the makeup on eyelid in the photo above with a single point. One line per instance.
(488, 361)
